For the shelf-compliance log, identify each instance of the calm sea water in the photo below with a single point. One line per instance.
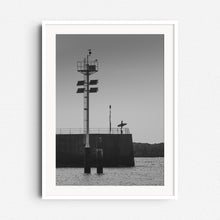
(147, 171)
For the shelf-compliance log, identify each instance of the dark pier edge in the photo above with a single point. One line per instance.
(117, 150)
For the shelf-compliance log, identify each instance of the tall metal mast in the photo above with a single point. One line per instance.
(87, 101)
(87, 68)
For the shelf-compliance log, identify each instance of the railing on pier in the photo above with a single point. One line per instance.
(92, 131)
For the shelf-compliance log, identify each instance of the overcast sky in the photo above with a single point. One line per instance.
(131, 80)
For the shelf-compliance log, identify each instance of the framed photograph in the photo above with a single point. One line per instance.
(109, 110)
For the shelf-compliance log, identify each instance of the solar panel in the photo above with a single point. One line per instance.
(80, 90)
(93, 90)
(80, 83)
(93, 82)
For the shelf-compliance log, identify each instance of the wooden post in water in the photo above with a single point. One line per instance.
(99, 160)
(99, 156)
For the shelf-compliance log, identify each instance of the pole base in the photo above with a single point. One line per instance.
(87, 170)
(99, 170)
(87, 166)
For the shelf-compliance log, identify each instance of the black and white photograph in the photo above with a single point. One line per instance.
(110, 109)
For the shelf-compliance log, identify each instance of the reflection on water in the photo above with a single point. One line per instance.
(147, 171)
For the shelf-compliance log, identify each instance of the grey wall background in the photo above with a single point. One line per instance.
(199, 107)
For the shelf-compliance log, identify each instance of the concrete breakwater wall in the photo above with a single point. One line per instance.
(117, 150)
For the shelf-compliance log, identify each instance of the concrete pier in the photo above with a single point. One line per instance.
(117, 150)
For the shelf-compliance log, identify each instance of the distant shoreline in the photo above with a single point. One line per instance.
(148, 150)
